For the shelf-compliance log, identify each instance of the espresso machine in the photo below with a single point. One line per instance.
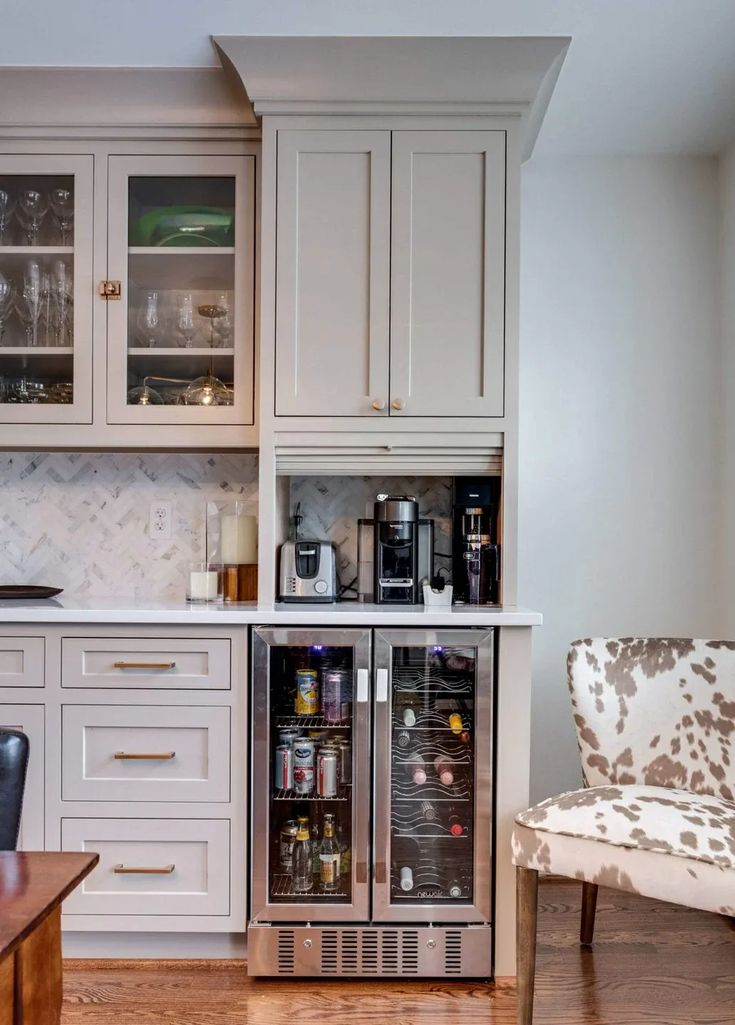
(475, 551)
(396, 550)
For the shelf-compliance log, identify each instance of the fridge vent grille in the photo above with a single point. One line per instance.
(453, 953)
(367, 952)
(286, 946)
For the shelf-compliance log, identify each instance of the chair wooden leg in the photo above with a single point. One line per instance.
(589, 906)
(526, 913)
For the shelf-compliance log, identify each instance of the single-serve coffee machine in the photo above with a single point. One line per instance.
(475, 551)
(396, 550)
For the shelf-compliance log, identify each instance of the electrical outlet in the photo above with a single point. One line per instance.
(159, 522)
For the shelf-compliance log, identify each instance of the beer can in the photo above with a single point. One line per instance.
(332, 695)
(288, 735)
(307, 692)
(283, 769)
(327, 772)
(345, 761)
(286, 844)
(303, 765)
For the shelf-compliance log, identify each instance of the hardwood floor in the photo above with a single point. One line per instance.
(652, 964)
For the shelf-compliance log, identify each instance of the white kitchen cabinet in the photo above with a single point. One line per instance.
(333, 273)
(447, 273)
(46, 289)
(390, 273)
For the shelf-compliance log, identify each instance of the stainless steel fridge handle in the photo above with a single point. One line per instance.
(381, 686)
(362, 686)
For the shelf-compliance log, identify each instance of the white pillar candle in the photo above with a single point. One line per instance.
(203, 585)
(239, 539)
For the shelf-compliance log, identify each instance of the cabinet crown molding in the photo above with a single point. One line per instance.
(398, 74)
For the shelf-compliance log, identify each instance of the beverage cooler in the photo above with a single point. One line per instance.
(371, 842)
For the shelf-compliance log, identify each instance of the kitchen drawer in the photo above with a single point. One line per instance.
(169, 663)
(151, 866)
(145, 753)
(22, 661)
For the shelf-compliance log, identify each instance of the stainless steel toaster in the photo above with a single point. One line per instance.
(308, 571)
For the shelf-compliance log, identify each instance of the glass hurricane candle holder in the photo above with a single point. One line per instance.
(204, 583)
(232, 544)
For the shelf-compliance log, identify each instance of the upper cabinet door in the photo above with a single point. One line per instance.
(181, 242)
(46, 290)
(447, 273)
(333, 273)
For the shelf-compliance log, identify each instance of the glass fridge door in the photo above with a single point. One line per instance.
(433, 775)
(310, 775)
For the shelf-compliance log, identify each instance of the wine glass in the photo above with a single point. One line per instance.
(62, 295)
(148, 321)
(30, 308)
(222, 325)
(33, 208)
(185, 320)
(7, 209)
(62, 205)
(6, 302)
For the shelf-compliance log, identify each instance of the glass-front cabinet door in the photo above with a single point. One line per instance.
(46, 290)
(310, 775)
(181, 245)
(433, 775)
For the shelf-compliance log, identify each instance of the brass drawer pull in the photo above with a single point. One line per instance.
(124, 870)
(143, 665)
(125, 756)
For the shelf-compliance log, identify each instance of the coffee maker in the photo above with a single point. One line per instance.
(475, 551)
(396, 550)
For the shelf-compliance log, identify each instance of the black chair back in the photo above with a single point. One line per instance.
(14, 749)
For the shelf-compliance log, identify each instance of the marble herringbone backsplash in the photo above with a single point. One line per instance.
(80, 520)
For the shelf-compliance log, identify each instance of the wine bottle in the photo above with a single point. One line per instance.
(408, 716)
(455, 723)
(456, 828)
(454, 889)
(406, 878)
(403, 739)
(415, 768)
(429, 811)
(443, 771)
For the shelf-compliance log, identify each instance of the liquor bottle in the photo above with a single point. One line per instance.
(329, 858)
(303, 876)
(443, 771)
(415, 769)
(408, 715)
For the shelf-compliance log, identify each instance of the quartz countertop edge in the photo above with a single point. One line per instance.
(151, 613)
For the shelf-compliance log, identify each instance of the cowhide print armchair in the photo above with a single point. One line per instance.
(655, 724)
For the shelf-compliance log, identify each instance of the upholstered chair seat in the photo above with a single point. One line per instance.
(655, 723)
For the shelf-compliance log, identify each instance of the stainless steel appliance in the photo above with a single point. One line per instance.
(366, 557)
(475, 552)
(396, 550)
(308, 571)
(410, 714)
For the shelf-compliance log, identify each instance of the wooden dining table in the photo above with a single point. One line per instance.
(32, 888)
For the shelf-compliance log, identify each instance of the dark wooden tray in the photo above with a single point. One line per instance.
(26, 591)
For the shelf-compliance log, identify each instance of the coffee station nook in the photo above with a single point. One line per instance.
(306, 747)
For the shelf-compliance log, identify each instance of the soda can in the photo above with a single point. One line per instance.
(288, 735)
(345, 761)
(327, 772)
(307, 692)
(332, 694)
(283, 769)
(303, 765)
(286, 844)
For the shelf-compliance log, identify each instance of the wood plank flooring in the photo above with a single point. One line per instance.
(652, 964)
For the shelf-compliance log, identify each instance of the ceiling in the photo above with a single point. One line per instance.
(641, 76)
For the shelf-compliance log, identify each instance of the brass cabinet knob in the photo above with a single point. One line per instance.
(378, 404)
(397, 403)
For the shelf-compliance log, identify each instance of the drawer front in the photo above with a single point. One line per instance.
(145, 753)
(30, 720)
(22, 661)
(165, 663)
(151, 866)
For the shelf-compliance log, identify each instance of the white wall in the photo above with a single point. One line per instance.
(727, 447)
(619, 382)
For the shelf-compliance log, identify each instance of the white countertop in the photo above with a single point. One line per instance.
(145, 613)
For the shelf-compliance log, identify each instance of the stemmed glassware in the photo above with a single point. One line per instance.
(7, 209)
(6, 302)
(222, 325)
(32, 300)
(185, 320)
(148, 321)
(62, 297)
(62, 206)
(33, 206)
